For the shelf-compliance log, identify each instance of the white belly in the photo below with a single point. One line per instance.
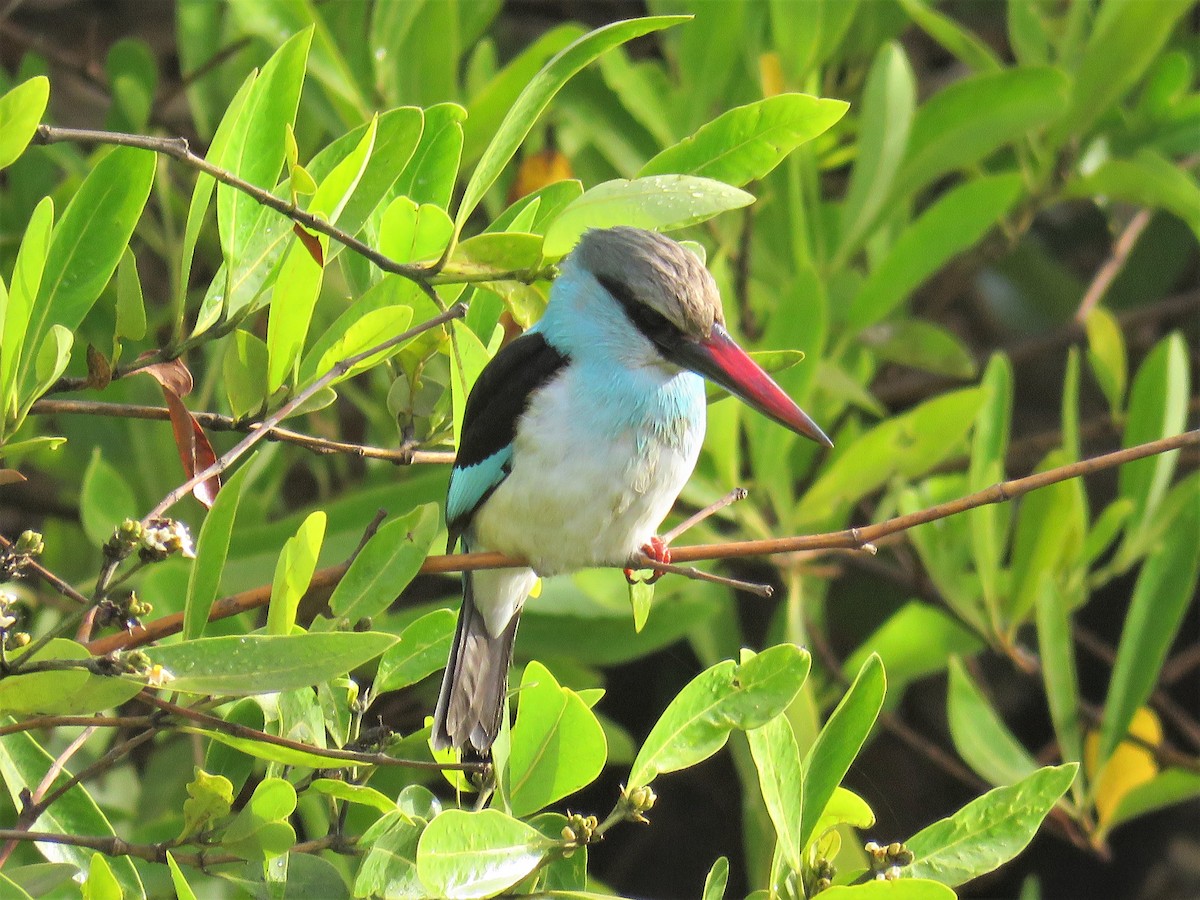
(594, 472)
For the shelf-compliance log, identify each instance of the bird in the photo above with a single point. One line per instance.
(577, 438)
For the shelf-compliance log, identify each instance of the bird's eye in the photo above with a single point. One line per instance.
(657, 328)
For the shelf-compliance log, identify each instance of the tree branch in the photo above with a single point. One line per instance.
(218, 422)
(851, 538)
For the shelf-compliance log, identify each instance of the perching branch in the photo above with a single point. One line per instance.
(851, 538)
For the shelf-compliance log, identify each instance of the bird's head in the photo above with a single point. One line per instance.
(671, 302)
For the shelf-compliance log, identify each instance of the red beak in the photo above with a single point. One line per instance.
(722, 361)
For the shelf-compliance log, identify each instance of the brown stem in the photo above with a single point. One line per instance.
(1108, 272)
(852, 538)
(218, 422)
(50, 578)
(115, 846)
(367, 759)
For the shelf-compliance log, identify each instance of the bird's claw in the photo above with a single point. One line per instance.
(657, 551)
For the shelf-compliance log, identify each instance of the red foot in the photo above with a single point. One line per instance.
(656, 550)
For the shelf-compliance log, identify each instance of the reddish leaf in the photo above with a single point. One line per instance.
(311, 243)
(173, 375)
(195, 452)
(11, 476)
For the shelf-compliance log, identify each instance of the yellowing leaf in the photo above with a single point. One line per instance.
(1131, 765)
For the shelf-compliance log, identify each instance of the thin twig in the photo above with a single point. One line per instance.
(115, 846)
(340, 368)
(852, 538)
(177, 148)
(40, 722)
(642, 561)
(693, 520)
(218, 422)
(49, 577)
(1108, 272)
(367, 759)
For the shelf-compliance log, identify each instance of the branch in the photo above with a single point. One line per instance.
(217, 422)
(177, 148)
(49, 577)
(851, 538)
(1108, 272)
(340, 368)
(216, 723)
(115, 846)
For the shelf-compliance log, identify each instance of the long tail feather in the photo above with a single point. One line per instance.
(476, 681)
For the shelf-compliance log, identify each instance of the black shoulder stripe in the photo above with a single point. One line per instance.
(501, 394)
(657, 328)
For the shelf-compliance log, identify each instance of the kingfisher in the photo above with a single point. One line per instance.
(576, 440)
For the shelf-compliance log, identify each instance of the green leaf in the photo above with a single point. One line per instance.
(1164, 588)
(988, 831)
(844, 808)
(838, 743)
(23, 765)
(353, 793)
(1056, 647)
(495, 252)
(433, 170)
(989, 449)
(259, 664)
(886, 116)
(212, 548)
(533, 100)
(915, 641)
(293, 573)
(747, 142)
(900, 889)
(202, 191)
(101, 883)
(132, 78)
(1107, 357)
(477, 854)
(105, 500)
(1165, 789)
(974, 117)
(1148, 179)
(245, 373)
(641, 597)
(557, 744)
(422, 650)
(183, 890)
(657, 202)
(488, 107)
(299, 281)
(385, 566)
(14, 890)
(1050, 531)
(1126, 39)
(256, 144)
(389, 868)
(979, 736)
(260, 830)
(66, 693)
(907, 445)
(52, 359)
(39, 879)
(131, 307)
(26, 281)
(969, 49)
(955, 222)
(21, 111)
(696, 724)
(717, 880)
(781, 780)
(920, 345)
(1157, 409)
(210, 798)
(86, 245)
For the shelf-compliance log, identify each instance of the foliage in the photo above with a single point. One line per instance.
(841, 207)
